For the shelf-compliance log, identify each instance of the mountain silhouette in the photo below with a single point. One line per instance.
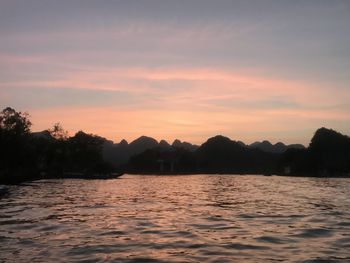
(218, 154)
(52, 153)
(120, 153)
(123, 143)
(329, 151)
(141, 144)
(328, 154)
(279, 147)
(164, 144)
(221, 154)
(184, 145)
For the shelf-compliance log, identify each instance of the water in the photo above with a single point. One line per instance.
(198, 218)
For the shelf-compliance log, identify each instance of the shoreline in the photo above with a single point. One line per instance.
(118, 175)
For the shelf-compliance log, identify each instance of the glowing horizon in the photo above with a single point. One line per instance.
(189, 71)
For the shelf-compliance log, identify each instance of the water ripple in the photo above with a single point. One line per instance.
(201, 218)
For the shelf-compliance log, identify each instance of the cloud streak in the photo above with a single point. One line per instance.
(121, 70)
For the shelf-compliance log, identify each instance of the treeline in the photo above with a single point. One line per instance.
(26, 156)
(52, 153)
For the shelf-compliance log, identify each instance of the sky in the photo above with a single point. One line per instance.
(249, 70)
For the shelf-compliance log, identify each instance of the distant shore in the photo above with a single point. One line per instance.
(53, 154)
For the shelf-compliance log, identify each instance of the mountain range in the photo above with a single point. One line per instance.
(52, 152)
(327, 154)
(119, 153)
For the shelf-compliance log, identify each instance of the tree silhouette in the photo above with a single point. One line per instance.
(58, 132)
(13, 123)
(15, 149)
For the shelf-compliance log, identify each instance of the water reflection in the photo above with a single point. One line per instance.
(209, 218)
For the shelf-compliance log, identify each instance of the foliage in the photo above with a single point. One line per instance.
(58, 132)
(85, 151)
(26, 156)
(14, 123)
(16, 152)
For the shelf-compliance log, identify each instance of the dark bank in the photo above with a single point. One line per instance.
(27, 155)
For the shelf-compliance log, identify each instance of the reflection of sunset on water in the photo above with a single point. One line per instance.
(178, 218)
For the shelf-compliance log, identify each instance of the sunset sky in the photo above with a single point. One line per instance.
(250, 70)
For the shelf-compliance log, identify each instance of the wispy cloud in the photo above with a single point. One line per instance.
(198, 86)
(121, 71)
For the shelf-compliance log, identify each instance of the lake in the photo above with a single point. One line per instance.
(194, 218)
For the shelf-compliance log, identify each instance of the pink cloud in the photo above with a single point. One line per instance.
(186, 103)
(200, 81)
(196, 89)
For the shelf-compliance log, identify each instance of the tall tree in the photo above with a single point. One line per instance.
(15, 149)
(13, 123)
